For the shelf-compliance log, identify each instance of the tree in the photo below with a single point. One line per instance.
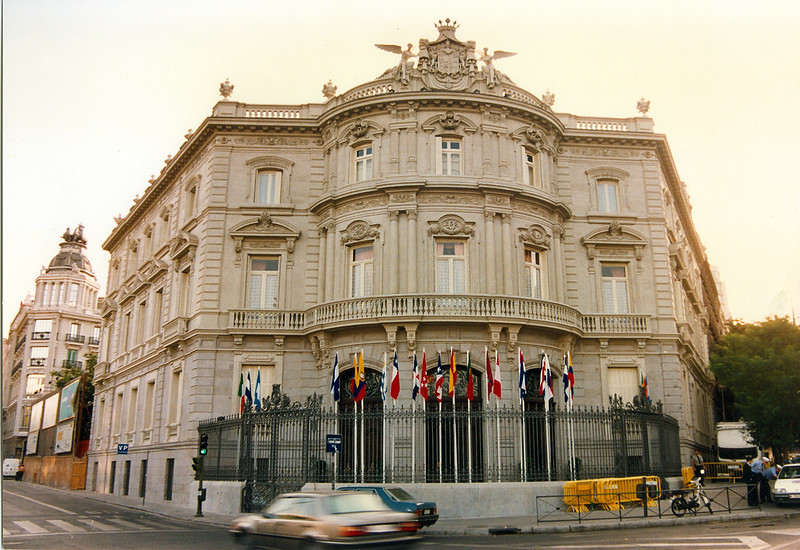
(65, 375)
(760, 364)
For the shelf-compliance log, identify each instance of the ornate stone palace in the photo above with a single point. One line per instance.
(438, 206)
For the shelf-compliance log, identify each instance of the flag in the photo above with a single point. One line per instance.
(241, 392)
(644, 385)
(522, 382)
(489, 375)
(439, 380)
(383, 378)
(395, 389)
(361, 382)
(248, 394)
(545, 379)
(453, 374)
(415, 379)
(569, 379)
(335, 380)
(498, 386)
(470, 387)
(257, 393)
(423, 378)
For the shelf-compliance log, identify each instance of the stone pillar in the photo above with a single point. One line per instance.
(509, 286)
(402, 252)
(491, 275)
(322, 269)
(330, 256)
(558, 258)
(393, 251)
(412, 267)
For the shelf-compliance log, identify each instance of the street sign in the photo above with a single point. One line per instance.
(122, 448)
(333, 443)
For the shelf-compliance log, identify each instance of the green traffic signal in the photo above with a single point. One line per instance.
(203, 444)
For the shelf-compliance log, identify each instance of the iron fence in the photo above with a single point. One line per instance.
(283, 447)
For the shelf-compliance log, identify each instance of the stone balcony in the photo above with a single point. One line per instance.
(417, 308)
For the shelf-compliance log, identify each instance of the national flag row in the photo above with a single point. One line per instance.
(391, 384)
(246, 395)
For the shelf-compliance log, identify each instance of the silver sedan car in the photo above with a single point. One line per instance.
(327, 519)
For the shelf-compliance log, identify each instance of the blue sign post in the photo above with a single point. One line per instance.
(122, 448)
(333, 444)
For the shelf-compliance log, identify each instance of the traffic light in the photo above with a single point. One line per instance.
(203, 444)
(197, 466)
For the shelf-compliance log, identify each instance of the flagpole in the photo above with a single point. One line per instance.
(414, 384)
(455, 433)
(440, 441)
(522, 382)
(383, 447)
(497, 409)
(469, 417)
(546, 364)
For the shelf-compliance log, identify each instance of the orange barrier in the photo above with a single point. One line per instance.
(578, 495)
(687, 473)
(729, 471)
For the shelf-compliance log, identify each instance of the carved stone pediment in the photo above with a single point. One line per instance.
(451, 225)
(360, 231)
(613, 238)
(265, 227)
(183, 244)
(535, 235)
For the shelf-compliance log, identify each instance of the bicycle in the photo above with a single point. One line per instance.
(680, 504)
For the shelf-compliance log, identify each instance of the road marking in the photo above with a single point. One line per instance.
(125, 523)
(751, 543)
(5, 532)
(39, 502)
(97, 525)
(31, 527)
(66, 526)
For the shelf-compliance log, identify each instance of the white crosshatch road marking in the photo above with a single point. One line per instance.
(30, 527)
(732, 542)
(124, 523)
(66, 526)
(99, 526)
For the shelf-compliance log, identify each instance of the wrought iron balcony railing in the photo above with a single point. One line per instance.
(67, 363)
(40, 336)
(74, 338)
(93, 341)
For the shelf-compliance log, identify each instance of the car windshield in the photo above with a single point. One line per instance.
(348, 503)
(399, 494)
(789, 473)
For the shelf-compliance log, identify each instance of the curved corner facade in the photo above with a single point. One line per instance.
(439, 206)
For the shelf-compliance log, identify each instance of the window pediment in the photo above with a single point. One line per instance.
(360, 231)
(451, 225)
(535, 235)
(182, 245)
(265, 227)
(449, 123)
(614, 237)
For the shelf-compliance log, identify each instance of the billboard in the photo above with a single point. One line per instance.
(64, 438)
(50, 410)
(66, 408)
(36, 416)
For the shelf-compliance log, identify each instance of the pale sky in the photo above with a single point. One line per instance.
(96, 94)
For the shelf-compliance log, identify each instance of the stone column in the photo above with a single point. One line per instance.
(393, 251)
(509, 286)
(322, 269)
(402, 251)
(330, 256)
(558, 258)
(412, 267)
(491, 276)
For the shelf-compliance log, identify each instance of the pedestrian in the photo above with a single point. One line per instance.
(757, 469)
(698, 465)
(20, 472)
(749, 479)
(770, 475)
(764, 489)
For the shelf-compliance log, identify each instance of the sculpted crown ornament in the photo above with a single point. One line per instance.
(446, 63)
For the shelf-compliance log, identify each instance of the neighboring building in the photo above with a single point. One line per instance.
(437, 206)
(53, 329)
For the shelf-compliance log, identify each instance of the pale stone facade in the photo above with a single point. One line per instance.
(438, 206)
(55, 328)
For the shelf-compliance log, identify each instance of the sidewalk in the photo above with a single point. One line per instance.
(480, 526)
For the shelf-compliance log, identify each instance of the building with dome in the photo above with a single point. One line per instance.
(437, 207)
(53, 329)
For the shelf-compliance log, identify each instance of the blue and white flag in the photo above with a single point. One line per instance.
(415, 378)
(335, 379)
(257, 392)
(546, 379)
(522, 382)
(248, 394)
(384, 383)
(569, 379)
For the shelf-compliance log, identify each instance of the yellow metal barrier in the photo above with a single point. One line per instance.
(687, 473)
(611, 493)
(727, 471)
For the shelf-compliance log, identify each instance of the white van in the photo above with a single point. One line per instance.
(10, 467)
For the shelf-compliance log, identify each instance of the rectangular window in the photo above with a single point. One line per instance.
(451, 157)
(364, 163)
(142, 478)
(361, 271)
(607, 196)
(132, 402)
(39, 356)
(126, 327)
(169, 476)
(262, 291)
(451, 267)
(73, 294)
(185, 296)
(174, 398)
(26, 417)
(42, 328)
(100, 417)
(149, 399)
(191, 202)
(74, 329)
(268, 187)
(529, 171)
(112, 476)
(624, 382)
(126, 477)
(533, 274)
(95, 337)
(158, 305)
(615, 288)
(35, 383)
(117, 414)
(72, 356)
(141, 318)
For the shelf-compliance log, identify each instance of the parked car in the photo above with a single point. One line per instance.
(787, 486)
(398, 499)
(327, 519)
(10, 467)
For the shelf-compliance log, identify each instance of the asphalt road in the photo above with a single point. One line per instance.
(37, 517)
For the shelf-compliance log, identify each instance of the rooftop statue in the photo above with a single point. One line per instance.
(403, 69)
(488, 66)
(226, 89)
(643, 106)
(74, 237)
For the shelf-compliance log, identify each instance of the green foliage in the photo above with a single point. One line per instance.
(70, 372)
(760, 364)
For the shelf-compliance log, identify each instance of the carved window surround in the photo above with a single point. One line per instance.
(535, 236)
(451, 225)
(617, 175)
(614, 242)
(263, 234)
(360, 232)
(269, 162)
